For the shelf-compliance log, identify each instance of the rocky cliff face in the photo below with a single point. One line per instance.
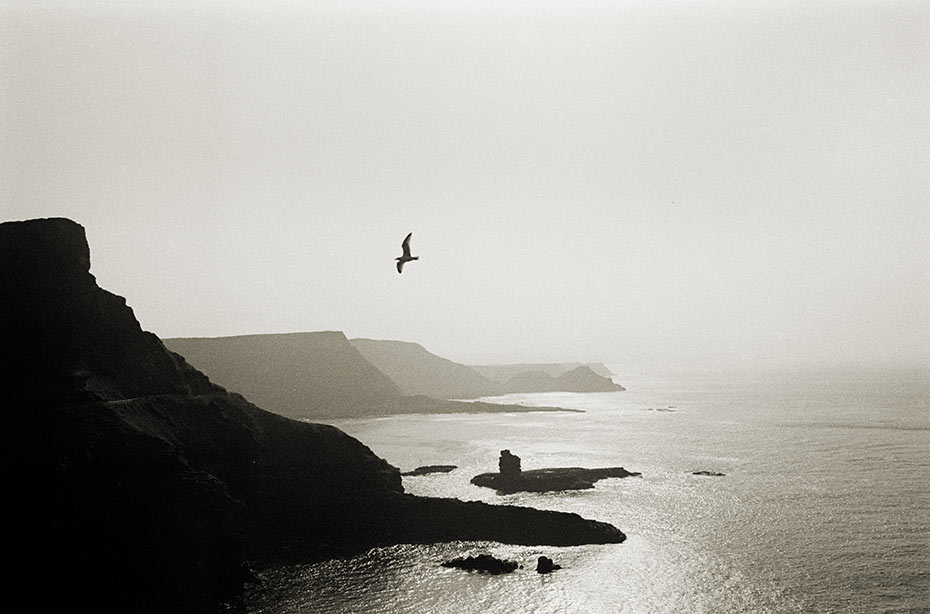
(419, 372)
(299, 375)
(67, 340)
(324, 376)
(137, 485)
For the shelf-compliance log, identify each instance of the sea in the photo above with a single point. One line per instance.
(823, 505)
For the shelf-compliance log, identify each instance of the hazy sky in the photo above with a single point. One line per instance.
(704, 183)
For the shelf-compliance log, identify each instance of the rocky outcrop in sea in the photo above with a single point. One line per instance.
(483, 562)
(512, 478)
(427, 469)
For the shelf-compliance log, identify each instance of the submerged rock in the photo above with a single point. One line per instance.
(483, 562)
(710, 473)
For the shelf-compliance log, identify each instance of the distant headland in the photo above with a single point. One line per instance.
(323, 375)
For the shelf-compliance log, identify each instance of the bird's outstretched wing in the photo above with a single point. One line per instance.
(400, 266)
(406, 245)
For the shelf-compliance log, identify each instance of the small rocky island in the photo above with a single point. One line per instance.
(427, 469)
(483, 562)
(512, 478)
(490, 564)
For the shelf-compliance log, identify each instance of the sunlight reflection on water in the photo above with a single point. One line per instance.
(805, 520)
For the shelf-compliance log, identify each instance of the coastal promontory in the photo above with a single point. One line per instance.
(418, 371)
(323, 376)
(579, 379)
(135, 484)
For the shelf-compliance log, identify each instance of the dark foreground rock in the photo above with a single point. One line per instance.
(482, 562)
(137, 485)
(427, 469)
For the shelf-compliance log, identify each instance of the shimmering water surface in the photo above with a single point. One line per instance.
(825, 505)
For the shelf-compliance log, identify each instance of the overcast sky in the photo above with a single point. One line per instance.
(645, 183)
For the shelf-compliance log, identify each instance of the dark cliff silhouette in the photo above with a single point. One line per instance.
(137, 485)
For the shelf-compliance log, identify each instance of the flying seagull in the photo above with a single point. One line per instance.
(406, 257)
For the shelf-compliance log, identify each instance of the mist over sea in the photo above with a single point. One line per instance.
(824, 505)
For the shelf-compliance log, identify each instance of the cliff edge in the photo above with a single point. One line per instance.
(419, 372)
(137, 485)
(298, 375)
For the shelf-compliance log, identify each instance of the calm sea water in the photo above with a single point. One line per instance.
(825, 505)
